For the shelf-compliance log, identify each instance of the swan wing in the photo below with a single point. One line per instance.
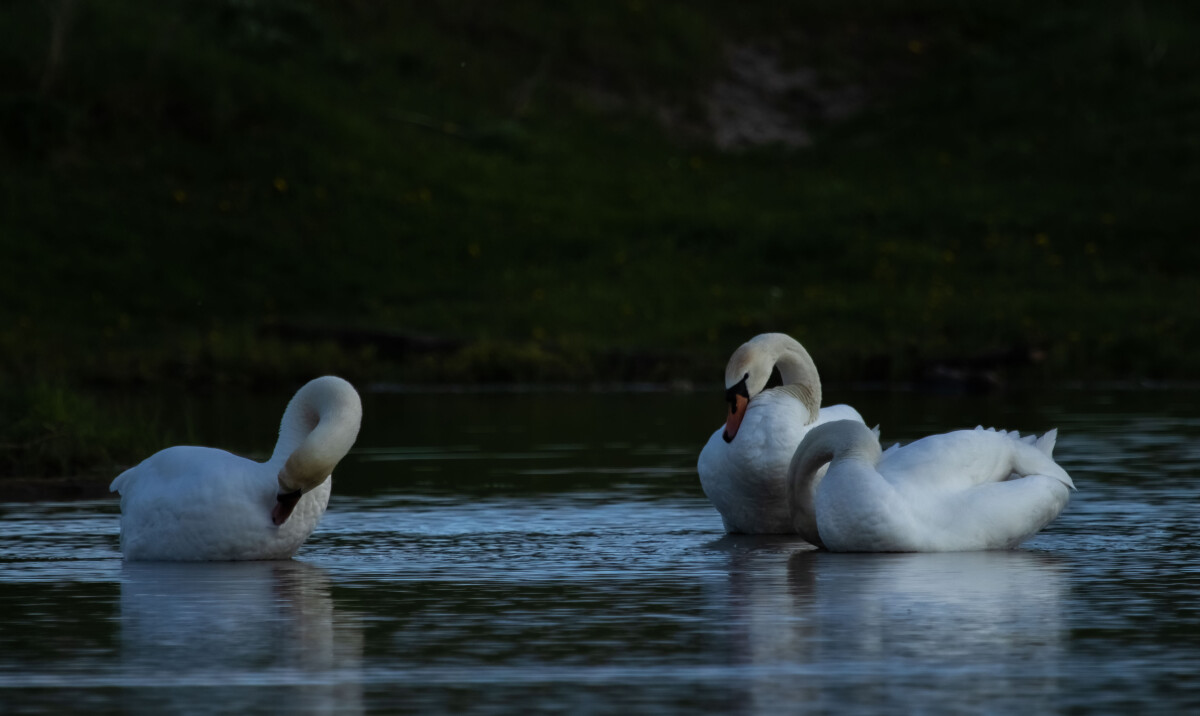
(194, 503)
(193, 477)
(869, 514)
(997, 515)
(966, 458)
(975, 489)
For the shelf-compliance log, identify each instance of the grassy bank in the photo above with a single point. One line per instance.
(257, 192)
(52, 431)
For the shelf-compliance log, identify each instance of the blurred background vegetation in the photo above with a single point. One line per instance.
(255, 192)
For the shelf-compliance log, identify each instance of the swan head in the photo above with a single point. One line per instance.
(751, 367)
(294, 482)
(319, 427)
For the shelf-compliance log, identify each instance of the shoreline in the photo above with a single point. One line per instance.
(55, 489)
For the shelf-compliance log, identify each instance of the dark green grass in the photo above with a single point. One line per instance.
(51, 431)
(197, 173)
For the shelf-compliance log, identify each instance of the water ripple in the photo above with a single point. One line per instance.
(580, 570)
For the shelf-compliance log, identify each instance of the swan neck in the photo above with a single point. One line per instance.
(804, 394)
(804, 474)
(796, 366)
(754, 360)
(318, 428)
(297, 424)
(800, 376)
(824, 445)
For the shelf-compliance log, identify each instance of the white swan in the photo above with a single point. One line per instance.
(194, 503)
(964, 490)
(743, 467)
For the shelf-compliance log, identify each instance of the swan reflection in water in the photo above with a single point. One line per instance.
(265, 633)
(950, 631)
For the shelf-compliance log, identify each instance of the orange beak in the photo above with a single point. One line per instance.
(737, 411)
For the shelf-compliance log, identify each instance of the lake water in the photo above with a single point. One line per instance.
(523, 552)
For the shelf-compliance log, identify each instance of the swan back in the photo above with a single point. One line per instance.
(963, 459)
(196, 503)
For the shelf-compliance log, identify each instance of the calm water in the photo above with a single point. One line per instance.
(516, 552)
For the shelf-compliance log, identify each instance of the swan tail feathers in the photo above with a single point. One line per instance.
(120, 481)
(1046, 442)
(1036, 459)
(1011, 434)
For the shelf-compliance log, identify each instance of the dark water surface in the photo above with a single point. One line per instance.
(537, 552)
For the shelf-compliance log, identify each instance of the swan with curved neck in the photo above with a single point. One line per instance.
(751, 366)
(196, 503)
(959, 491)
(743, 467)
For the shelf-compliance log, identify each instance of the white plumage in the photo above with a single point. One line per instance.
(745, 476)
(965, 490)
(195, 503)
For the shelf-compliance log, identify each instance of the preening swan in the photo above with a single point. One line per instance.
(743, 468)
(189, 503)
(964, 490)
